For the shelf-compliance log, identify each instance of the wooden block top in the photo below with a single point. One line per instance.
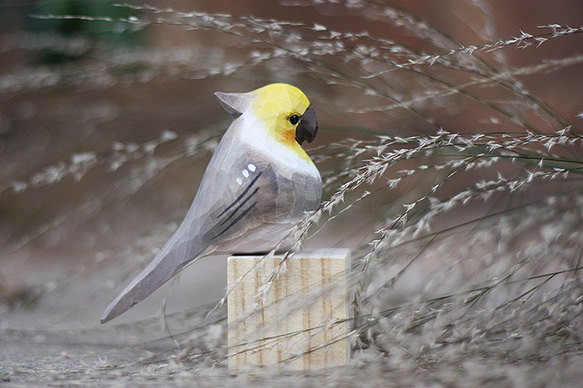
(308, 253)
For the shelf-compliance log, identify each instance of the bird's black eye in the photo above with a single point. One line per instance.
(294, 119)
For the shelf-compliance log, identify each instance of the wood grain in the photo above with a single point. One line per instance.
(299, 321)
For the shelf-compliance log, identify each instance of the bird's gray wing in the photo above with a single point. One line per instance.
(236, 193)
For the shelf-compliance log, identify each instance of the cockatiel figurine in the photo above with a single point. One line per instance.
(258, 186)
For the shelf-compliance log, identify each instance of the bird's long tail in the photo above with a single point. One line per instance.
(178, 252)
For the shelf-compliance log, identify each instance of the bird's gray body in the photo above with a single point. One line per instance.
(249, 201)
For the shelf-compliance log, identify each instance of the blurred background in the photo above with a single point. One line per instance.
(449, 144)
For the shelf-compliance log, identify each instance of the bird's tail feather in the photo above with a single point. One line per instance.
(175, 255)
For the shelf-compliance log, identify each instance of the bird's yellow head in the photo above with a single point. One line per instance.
(286, 112)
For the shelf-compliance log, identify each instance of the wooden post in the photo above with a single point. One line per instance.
(298, 321)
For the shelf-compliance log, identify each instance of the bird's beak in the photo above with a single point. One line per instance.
(308, 127)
